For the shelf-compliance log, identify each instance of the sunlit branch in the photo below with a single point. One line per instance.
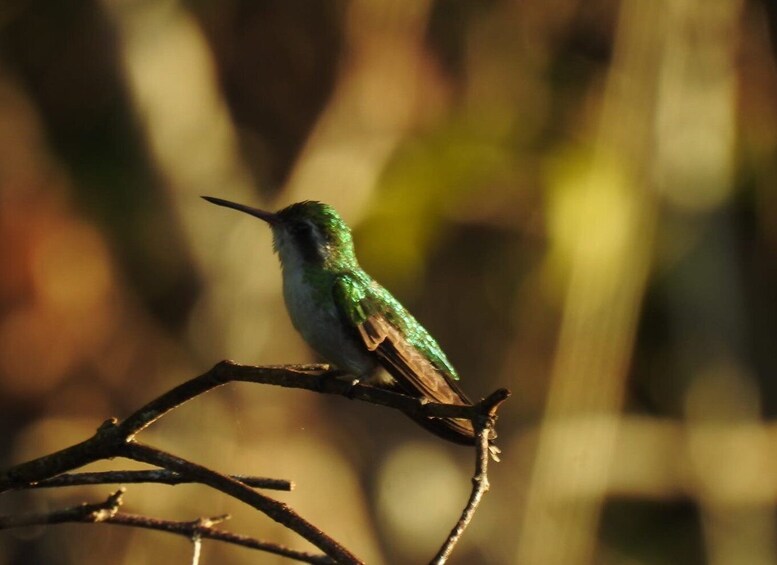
(484, 428)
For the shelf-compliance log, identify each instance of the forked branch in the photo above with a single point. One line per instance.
(117, 439)
(107, 512)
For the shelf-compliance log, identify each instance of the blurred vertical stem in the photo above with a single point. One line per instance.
(696, 131)
(606, 235)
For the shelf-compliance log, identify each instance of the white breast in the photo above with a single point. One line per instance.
(316, 318)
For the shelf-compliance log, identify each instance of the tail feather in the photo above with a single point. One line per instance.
(418, 376)
(456, 430)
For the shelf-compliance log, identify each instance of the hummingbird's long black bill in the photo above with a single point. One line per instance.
(268, 217)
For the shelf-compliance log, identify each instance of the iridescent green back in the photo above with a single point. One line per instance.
(415, 333)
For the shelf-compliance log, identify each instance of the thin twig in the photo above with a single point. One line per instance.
(278, 511)
(160, 476)
(484, 428)
(87, 512)
(204, 527)
(196, 549)
(106, 512)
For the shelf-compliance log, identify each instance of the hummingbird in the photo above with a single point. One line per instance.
(352, 321)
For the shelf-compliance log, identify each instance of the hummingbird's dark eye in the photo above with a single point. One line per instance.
(308, 241)
(302, 228)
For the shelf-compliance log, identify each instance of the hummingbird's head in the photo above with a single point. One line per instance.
(306, 233)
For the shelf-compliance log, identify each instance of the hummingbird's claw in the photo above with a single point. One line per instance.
(342, 375)
(352, 389)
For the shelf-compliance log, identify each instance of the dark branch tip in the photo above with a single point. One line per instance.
(490, 404)
(225, 365)
(109, 424)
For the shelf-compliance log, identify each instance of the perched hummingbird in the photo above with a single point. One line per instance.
(352, 321)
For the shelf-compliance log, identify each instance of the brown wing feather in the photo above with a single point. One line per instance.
(417, 375)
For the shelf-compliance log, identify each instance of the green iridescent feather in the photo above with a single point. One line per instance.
(359, 297)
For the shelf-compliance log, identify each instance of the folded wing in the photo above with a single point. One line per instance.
(416, 374)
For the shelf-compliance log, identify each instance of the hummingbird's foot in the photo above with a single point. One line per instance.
(351, 393)
(347, 378)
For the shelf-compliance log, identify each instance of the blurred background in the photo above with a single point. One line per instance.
(575, 198)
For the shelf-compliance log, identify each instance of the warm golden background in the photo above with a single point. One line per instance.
(576, 198)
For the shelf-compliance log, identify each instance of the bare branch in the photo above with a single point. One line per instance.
(116, 439)
(107, 442)
(203, 528)
(196, 549)
(98, 512)
(220, 374)
(160, 476)
(318, 379)
(278, 511)
(484, 428)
